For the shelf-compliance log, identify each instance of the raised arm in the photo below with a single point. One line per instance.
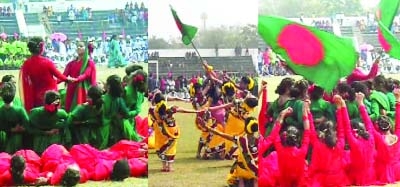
(228, 105)
(343, 118)
(364, 116)
(278, 124)
(262, 115)
(223, 135)
(340, 125)
(306, 124)
(397, 122)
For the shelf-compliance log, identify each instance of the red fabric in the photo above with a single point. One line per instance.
(60, 170)
(138, 167)
(362, 155)
(387, 158)
(73, 70)
(33, 165)
(142, 126)
(385, 44)
(127, 149)
(86, 157)
(269, 171)
(262, 116)
(53, 155)
(5, 175)
(266, 58)
(358, 75)
(327, 167)
(38, 76)
(291, 161)
(308, 50)
(103, 169)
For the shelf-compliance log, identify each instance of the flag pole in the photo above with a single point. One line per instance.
(198, 53)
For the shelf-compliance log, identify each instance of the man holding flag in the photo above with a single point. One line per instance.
(84, 70)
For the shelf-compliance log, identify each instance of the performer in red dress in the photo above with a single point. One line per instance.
(38, 75)
(327, 166)
(84, 70)
(292, 155)
(362, 146)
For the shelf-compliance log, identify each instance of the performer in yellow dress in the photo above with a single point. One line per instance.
(244, 171)
(235, 122)
(166, 131)
(198, 100)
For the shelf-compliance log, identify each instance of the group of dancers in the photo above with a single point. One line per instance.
(94, 121)
(349, 137)
(224, 112)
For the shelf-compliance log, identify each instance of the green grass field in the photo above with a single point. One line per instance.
(190, 171)
(102, 74)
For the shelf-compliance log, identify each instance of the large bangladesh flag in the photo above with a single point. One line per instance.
(188, 32)
(318, 56)
(385, 14)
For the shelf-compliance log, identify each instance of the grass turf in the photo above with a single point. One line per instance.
(102, 74)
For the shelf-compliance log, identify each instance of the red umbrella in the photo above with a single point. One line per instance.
(59, 36)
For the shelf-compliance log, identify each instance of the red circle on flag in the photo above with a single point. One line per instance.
(301, 45)
(385, 44)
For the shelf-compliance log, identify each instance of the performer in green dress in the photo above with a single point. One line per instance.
(14, 120)
(48, 123)
(379, 101)
(116, 114)
(349, 95)
(321, 110)
(10, 78)
(284, 100)
(116, 58)
(86, 119)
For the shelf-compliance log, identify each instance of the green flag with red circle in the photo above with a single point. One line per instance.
(188, 32)
(318, 56)
(385, 14)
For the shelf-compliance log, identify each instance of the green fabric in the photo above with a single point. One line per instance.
(90, 126)
(63, 95)
(16, 102)
(339, 54)
(386, 12)
(388, 41)
(188, 32)
(379, 101)
(42, 121)
(133, 99)
(296, 119)
(321, 108)
(273, 111)
(10, 117)
(392, 105)
(117, 117)
(352, 109)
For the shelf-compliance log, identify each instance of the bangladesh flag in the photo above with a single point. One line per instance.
(318, 56)
(188, 32)
(385, 14)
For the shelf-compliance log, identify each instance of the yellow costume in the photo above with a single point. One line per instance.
(246, 165)
(235, 126)
(151, 140)
(213, 144)
(166, 132)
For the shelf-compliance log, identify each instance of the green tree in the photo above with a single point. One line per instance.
(158, 43)
(294, 8)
